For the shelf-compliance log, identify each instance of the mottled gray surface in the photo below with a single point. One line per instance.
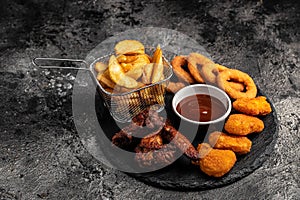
(41, 156)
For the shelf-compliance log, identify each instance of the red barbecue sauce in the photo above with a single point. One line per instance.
(201, 107)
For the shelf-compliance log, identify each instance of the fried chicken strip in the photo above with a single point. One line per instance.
(171, 134)
(151, 152)
(152, 141)
(155, 158)
(253, 106)
(215, 162)
(123, 140)
(148, 118)
(240, 124)
(142, 124)
(238, 144)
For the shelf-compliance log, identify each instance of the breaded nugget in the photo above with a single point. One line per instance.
(238, 144)
(241, 124)
(203, 150)
(216, 162)
(252, 106)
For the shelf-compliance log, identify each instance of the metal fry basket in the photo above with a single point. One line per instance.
(124, 106)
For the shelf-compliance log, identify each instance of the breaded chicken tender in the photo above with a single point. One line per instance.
(238, 144)
(203, 150)
(252, 106)
(216, 162)
(241, 124)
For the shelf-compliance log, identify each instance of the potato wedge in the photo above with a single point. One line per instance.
(117, 74)
(136, 61)
(135, 72)
(105, 80)
(141, 60)
(100, 67)
(157, 54)
(129, 47)
(147, 73)
(126, 58)
(137, 66)
(158, 67)
(126, 66)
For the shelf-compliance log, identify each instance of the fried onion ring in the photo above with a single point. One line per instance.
(209, 72)
(196, 61)
(237, 86)
(221, 67)
(235, 75)
(177, 63)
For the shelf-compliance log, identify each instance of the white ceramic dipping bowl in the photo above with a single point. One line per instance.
(207, 90)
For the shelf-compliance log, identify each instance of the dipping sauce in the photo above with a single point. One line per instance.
(201, 107)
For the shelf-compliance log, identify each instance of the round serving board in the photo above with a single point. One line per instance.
(96, 127)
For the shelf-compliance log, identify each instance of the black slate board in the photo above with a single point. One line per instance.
(182, 175)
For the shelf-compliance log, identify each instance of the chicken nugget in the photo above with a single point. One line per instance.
(253, 106)
(203, 149)
(217, 162)
(238, 144)
(241, 124)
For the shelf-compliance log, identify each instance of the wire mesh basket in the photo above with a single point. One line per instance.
(124, 106)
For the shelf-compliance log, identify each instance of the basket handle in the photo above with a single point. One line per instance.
(56, 63)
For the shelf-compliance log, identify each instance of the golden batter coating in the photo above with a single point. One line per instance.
(241, 124)
(195, 62)
(227, 76)
(253, 106)
(238, 144)
(217, 162)
(178, 62)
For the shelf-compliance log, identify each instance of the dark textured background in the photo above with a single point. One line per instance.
(41, 156)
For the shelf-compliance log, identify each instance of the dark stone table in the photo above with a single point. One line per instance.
(41, 156)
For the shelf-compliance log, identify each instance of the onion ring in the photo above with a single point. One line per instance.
(209, 72)
(238, 76)
(177, 63)
(237, 86)
(195, 61)
(221, 67)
